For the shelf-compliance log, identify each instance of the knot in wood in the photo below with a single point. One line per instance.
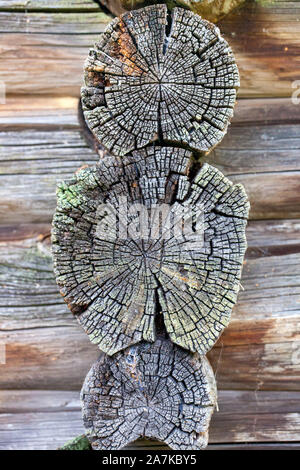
(159, 77)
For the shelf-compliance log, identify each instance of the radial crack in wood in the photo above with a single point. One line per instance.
(156, 77)
(154, 390)
(140, 236)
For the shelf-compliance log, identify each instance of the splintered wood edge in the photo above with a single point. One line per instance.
(155, 390)
(119, 287)
(159, 77)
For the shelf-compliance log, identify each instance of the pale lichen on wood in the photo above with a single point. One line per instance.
(157, 391)
(155, 76)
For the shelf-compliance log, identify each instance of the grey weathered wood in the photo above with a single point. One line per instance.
(265, 40)
(132, 278)
(261, 149)
(263, 111)
(38, 401)
(154, 77)
(32, 43)
(43, 24)
(51, 112)
(266, 57)
(59, 357)
(46, 158)
(38, 328)
(261, 156)
(155, 390)
(83, 6)
(39, 112)
(48, 419)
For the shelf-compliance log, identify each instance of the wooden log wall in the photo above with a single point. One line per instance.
(257, 360)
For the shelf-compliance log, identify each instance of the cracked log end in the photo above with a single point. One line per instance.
(119, 278)
(155, 76)
(155, 390)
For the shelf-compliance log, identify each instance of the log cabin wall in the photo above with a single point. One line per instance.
(44, 352)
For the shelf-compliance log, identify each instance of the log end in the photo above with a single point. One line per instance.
(157, 391)
(160, 77)
(141, 237)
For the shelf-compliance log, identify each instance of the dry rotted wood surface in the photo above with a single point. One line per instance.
(256, 361)
(191, 278)
(159, 76)
(157, 390)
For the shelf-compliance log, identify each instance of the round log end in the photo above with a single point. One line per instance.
(159, 77)
(141, 237)
(158, 391)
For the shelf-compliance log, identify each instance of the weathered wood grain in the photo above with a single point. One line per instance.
(259, 349)
(154, 390)
(30, 172)
(39, 112)
(159, 76)
(19, 232)
(263, 111)
(117, 280)
(264, 38)
(261, 157)
(270, 366)
(266, 42)
(259, 150)
(83, 6)
(51, 112)
(39, 358)
(267, 202)
(59, 24)
(39, 401)
(35, 45)
(48, 419)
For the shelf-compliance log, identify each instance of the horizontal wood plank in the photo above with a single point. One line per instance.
(265, 38)
(39, 112)
(51, 112)
(39, 149)
(47, 419)
(57, 23)
(44, 52)
(43, 340)
(265, 111)
(29, 172)
(46, 5)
